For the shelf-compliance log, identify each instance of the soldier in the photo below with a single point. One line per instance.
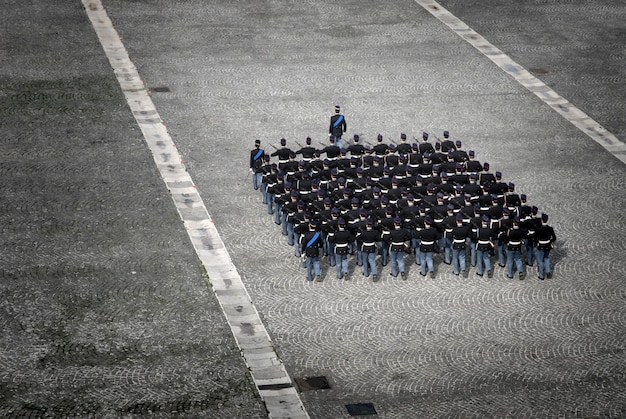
(447, 144)
(427, 237)
(337, 126)
(294, 219)
(342, 239)
(266, 170)
(504, 225)
(380, 149)
(310, 245)
(368, 240)
(257, 156)
(332, 151)
(329, 227)
(460, 156)
(356, 149)
(283, 153)
(425, 147)
(484, 236)
(473, 165)
(514, 239)
(404, 147)
(448, 223)
(308, 151)
(399, 239)
(268, 182)
(460, 233)
(512, 200)
(544, 239)
(485, 176)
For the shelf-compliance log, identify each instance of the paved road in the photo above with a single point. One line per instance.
(105, 309)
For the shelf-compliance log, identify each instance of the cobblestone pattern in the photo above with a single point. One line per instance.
(577, 48)
(420, 348)
(104, 310)
(443, 348)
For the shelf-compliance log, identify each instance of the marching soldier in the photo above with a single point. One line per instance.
(425, 147)
(514, 239)
(308, 151)
(399, 239)
(544, 239)
(404, 147)
(342, 239)
(485, 236)
(337, 126)
(460, 233)
(427, 239)
(310, 245)
(257, 155)
(283, 154)
(447, 144)
(368, 240)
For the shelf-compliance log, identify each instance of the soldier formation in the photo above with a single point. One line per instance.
(384, 202)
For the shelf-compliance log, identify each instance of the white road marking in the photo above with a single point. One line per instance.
(561, 105)
(267, 370)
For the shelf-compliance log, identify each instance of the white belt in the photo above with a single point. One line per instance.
(342, 244)
(515, 243)
(428, 243)
(397, 243)
(483, 242)
(369, 243)
(459, 240)
(544, 241)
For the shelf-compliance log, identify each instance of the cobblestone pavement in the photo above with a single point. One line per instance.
(105, 309)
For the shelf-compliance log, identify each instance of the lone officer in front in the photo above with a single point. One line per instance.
(337, 126)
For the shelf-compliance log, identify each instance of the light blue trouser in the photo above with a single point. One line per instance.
(256, 180)
(513, 256)
(458, 260)
(369, 263)
(483, 261)
(427, 262)
(312, 265)
(397, 262)
(543, 261)
(342, 265)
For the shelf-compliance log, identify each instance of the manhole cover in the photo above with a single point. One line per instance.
(312, 383)
(358, 409)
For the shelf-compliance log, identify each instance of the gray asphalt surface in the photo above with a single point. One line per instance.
(107, 312)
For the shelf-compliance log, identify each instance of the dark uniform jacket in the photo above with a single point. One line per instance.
(337, 125)
(311, 243)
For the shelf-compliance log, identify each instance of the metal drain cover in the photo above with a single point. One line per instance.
(312, 383)
(358, 409)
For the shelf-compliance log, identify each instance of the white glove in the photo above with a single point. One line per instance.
(251, 169)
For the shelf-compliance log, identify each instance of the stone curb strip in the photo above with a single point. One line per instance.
(269, 374)
(561, 105)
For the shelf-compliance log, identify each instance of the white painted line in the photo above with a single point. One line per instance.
(562, 106)
(268, 372)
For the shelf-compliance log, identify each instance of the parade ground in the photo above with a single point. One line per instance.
(141, 275)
